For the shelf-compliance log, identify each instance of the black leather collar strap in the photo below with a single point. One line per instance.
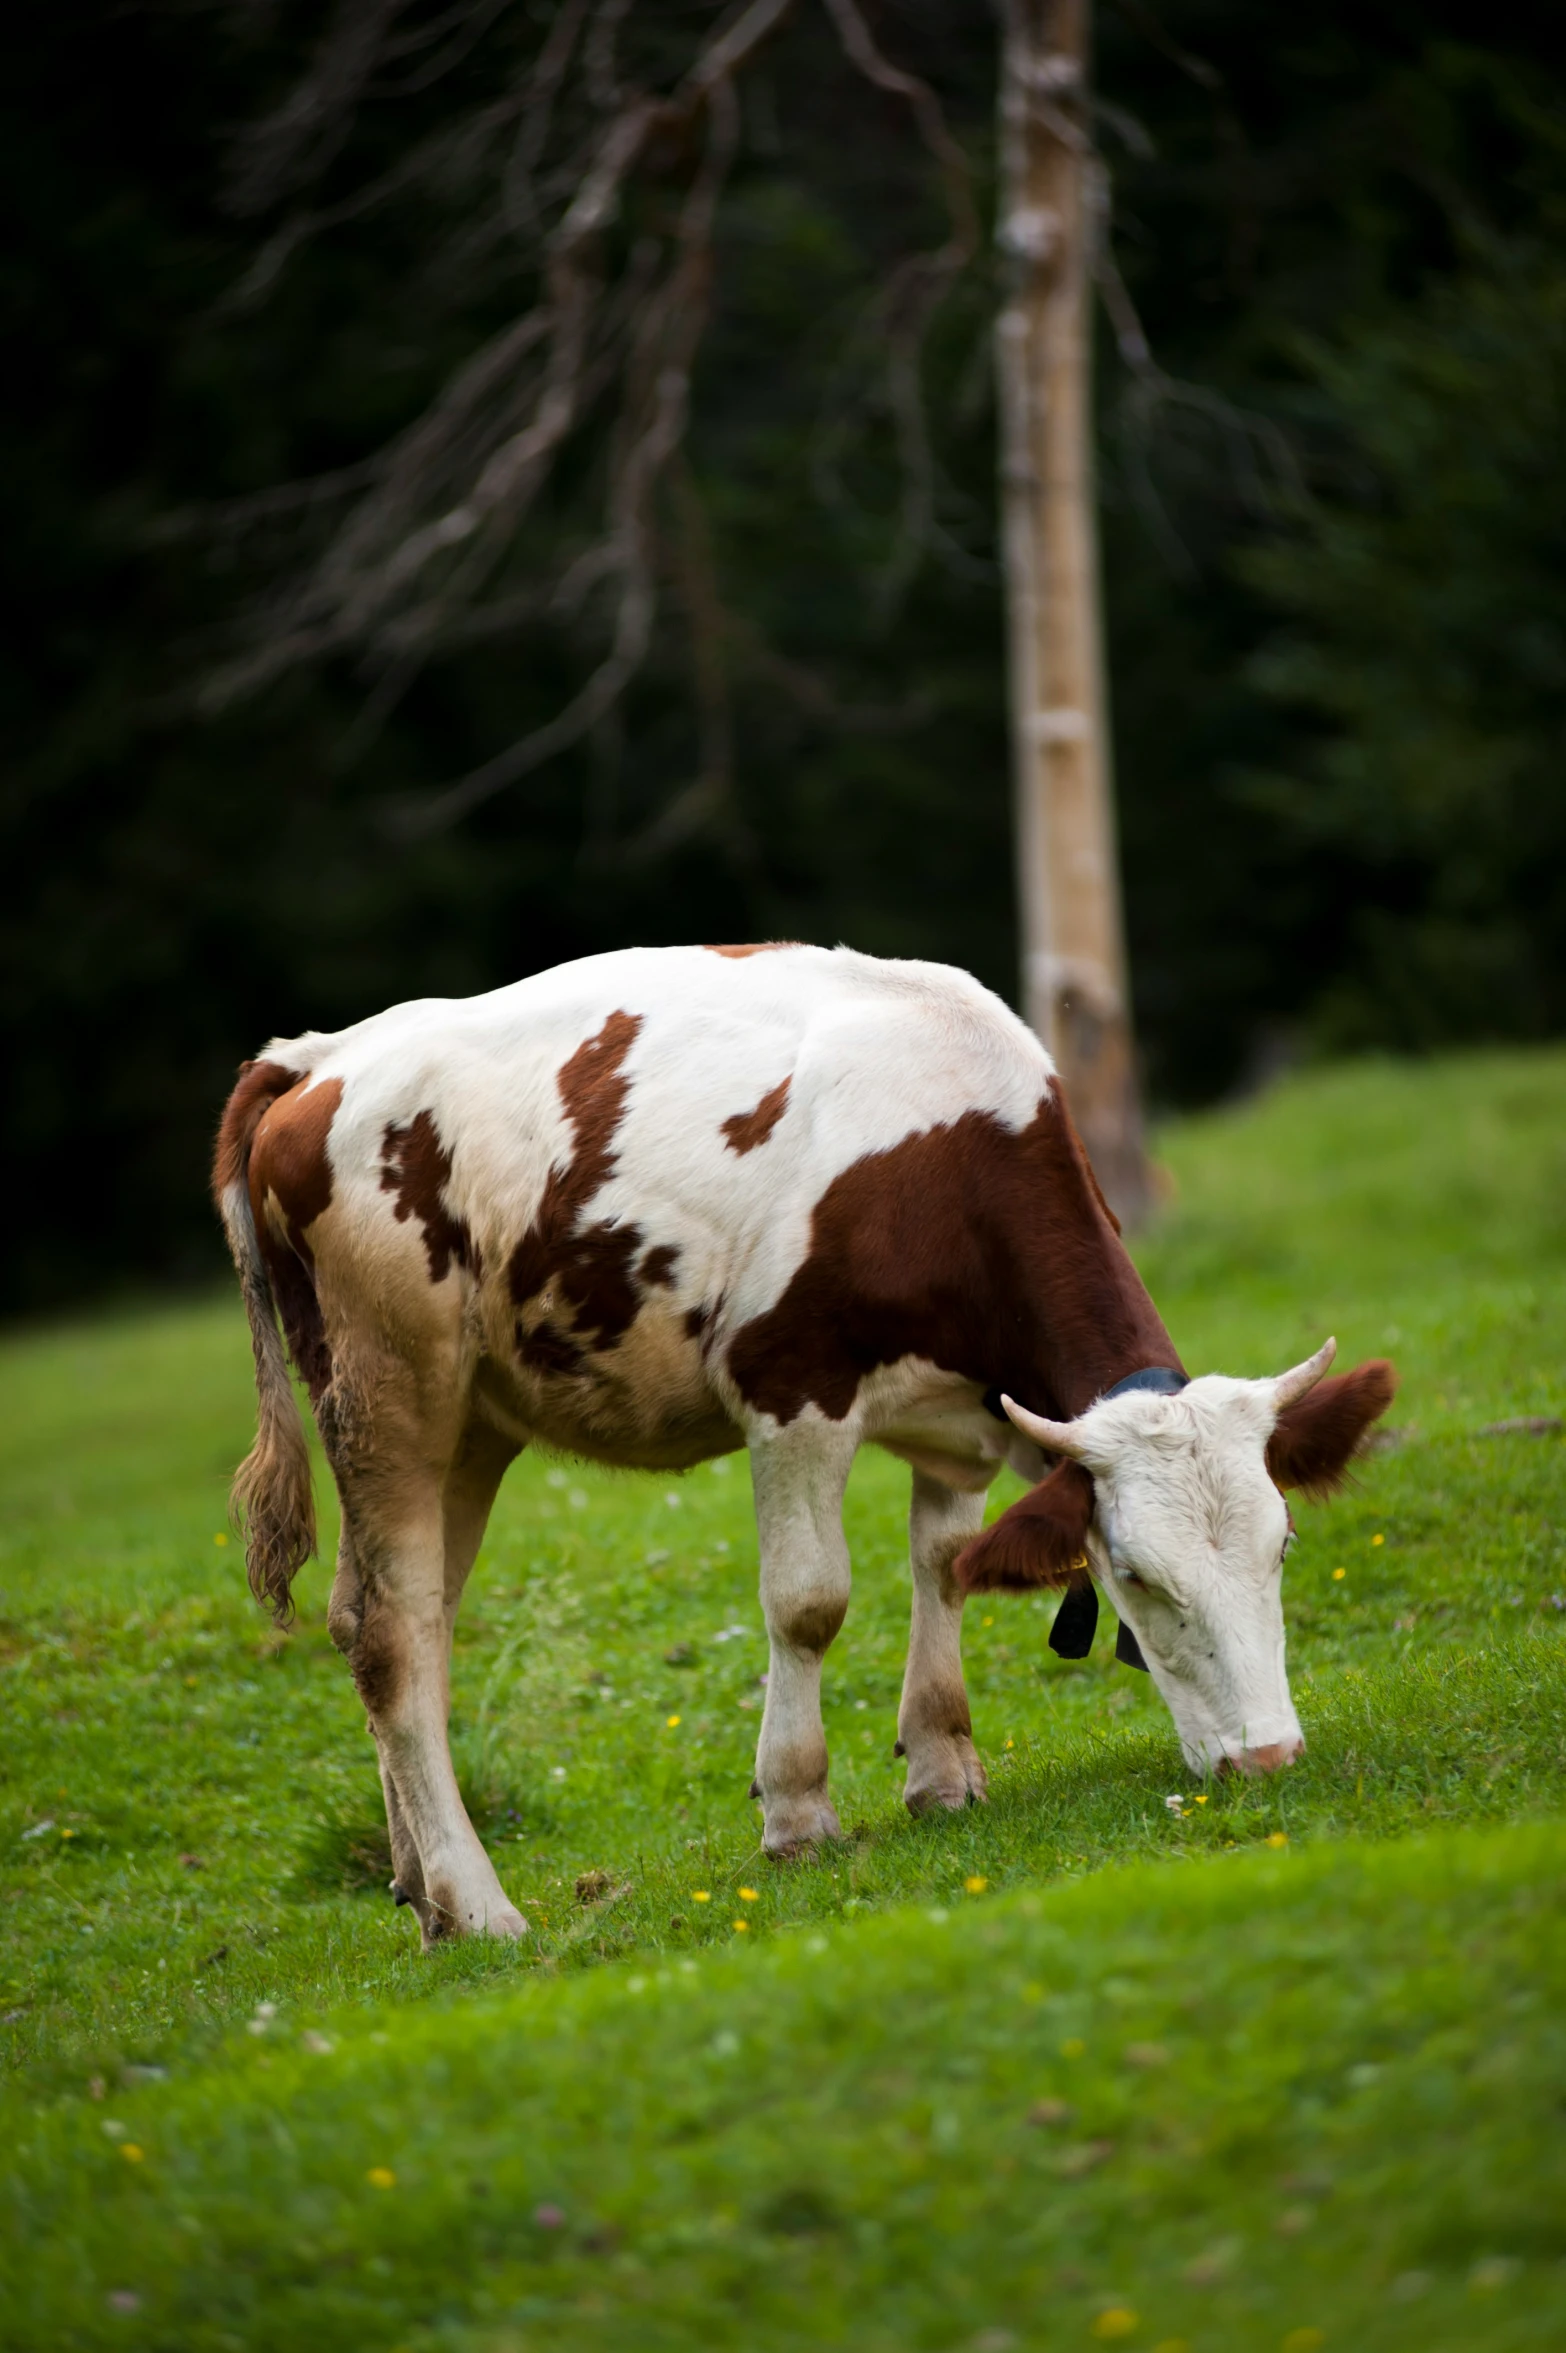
(1161, 1379)
(1076, 1623)
(1128, 1650)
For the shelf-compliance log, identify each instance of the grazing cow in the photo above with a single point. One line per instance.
(656, 1206)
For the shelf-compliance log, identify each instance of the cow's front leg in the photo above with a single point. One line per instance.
(799, 1477)
(934, 1729)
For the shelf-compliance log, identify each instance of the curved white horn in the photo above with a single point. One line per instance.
(1288, 1386)
(1054, 1437)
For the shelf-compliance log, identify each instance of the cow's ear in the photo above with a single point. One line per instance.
(1038, 1542)
(1318, 1436)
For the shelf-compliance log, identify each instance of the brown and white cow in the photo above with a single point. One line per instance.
(655, 1206)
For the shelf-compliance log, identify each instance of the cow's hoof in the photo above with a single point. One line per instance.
(947, 1781)
(794, 1825)
(447, 1913)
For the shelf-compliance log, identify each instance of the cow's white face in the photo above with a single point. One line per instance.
(1187, 1538)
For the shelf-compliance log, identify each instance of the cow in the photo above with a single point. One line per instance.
(654, 1206)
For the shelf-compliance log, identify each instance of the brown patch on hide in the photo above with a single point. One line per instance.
(658, 1266)
(1039, 1541)
(987, 1250)
(548, 1350)
(752, 948)
(587, 1269)
(1318, 1436)
(291, 1171)
(289, 1157)
(416, 1166)
(746, 1129)
(258, 1087)
(813, 1626)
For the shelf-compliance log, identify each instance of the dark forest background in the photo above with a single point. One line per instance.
(1339, 686)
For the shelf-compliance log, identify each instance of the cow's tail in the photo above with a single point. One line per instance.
(272, 1502)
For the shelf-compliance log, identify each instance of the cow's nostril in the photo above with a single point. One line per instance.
(1271, 1756)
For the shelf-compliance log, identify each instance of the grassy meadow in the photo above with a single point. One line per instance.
(1268, 2068)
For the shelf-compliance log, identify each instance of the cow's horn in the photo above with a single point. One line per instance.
(1054, 1437)
(1288, 1386)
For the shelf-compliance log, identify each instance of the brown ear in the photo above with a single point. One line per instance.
(1318, 1436)
(1038, 1542)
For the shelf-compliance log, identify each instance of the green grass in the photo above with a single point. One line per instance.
(215, 1843)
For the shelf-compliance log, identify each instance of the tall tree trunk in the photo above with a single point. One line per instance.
(1075, 992)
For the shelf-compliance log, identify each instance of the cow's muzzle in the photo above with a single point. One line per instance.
(1270, 1757)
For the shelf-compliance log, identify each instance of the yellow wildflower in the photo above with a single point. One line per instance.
(1200, 1799)
(1073, 2047)
(1277, 1838)
(671, 1722)
(1118, 2321)
(381, 2177)
(741, 1927)
(1338, 1576)
(975, 1883)
(131, 2153)
(748, 1895)
(1378, 1540)
(220, 1539)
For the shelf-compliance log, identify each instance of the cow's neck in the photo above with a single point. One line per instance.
(1088, 1319)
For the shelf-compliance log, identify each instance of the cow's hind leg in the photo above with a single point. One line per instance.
(344, 1615)
(467, 1498)
(397, 1507)
(934, 1729)
(799, 1478)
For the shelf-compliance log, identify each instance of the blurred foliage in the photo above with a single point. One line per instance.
(1426, 637)
(1335, 714)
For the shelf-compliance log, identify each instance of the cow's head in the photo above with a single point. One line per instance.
(1174, 1503)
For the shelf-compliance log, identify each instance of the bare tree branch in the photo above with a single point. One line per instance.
(1261, 458)
(417, 550)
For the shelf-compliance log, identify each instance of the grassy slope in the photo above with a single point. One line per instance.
(150, 1717)
(1301, 2094)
